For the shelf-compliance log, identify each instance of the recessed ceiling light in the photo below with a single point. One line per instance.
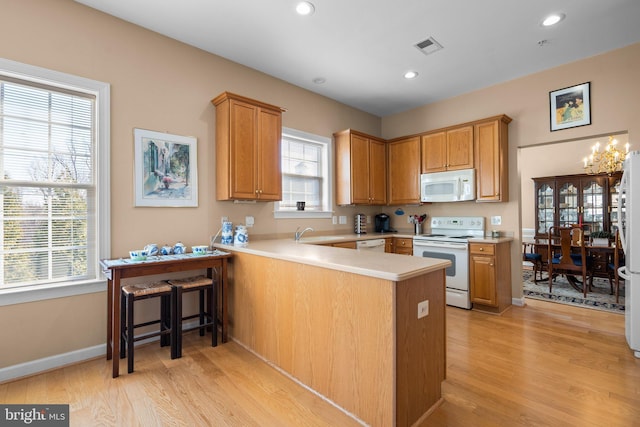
(410, 75)
(305, 8)
(319, 80)
(553, 19)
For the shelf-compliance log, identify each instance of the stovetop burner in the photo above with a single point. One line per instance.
(454, 229)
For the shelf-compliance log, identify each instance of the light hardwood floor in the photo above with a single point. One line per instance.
(542, 365)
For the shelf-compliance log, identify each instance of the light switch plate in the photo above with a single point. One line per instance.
(342, 219)
(423, 309)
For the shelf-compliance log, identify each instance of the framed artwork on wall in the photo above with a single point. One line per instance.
(165, 169)
(570, 107)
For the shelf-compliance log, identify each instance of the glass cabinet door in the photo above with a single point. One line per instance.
(593, 207)
(568, 204)
(545, 207)
(614, 195)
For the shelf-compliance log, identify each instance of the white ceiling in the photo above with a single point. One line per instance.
(363, 47)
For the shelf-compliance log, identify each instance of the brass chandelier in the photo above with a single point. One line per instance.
(607, 161)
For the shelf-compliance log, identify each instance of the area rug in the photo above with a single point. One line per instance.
(564, 293)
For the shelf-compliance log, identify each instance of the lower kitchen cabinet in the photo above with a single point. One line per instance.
(490, 276)
(403, 245)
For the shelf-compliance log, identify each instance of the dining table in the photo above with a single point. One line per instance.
(602, 254)
(214, 262)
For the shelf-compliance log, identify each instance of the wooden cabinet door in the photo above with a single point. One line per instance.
(359, 170)
(377, 172)
(404, 171)
(483, 280)
(492, 160)
(488, 164)
(242, 155)
(269, 178)
(434, 152)
(460, 148)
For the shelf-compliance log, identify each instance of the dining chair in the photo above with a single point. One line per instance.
(530, 255)
(612, 267)
(569, 256)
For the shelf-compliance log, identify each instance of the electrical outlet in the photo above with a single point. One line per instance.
(496, 220)
(423, 309)
(368, 219)
(248, 221)
(224, 219)
(334, 220)
(342, 219)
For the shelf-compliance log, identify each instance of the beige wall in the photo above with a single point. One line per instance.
(157, 84)
(160, 84)
(615, 93)
(561, 158)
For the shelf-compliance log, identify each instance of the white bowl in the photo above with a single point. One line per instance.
(199, 250)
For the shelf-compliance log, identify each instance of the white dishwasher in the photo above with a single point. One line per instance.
(376, 245)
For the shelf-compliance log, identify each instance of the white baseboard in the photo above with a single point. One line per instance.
(518, 301)
(51, 362)
(59, 360)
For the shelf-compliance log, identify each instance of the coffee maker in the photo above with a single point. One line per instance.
(383, 223)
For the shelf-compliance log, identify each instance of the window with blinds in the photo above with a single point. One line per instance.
(47, 146)
(305, 172)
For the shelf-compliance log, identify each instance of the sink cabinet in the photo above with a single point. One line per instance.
(248, 134)
(361, 169)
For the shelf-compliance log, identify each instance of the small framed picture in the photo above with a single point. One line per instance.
(165, 168)
(570, 107)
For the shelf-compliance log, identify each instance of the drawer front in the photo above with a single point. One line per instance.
(482, 248)
(402, 242)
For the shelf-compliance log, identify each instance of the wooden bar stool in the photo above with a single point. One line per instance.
(207, 315)
(167, 332)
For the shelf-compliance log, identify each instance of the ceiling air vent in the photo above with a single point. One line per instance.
(429, 46)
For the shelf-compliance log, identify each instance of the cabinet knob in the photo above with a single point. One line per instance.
(481, 249)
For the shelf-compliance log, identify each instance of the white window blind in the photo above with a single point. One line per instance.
(305, 174)
(48, 221)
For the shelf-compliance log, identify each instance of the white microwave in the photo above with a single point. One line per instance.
(452, 186)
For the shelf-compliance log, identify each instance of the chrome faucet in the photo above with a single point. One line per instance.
(299, 234)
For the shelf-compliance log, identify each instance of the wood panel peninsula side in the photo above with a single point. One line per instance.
(344, 324)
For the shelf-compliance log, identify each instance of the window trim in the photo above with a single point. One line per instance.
(278, 214)
(102, 92)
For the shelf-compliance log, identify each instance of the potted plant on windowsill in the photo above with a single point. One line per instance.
(600, 238)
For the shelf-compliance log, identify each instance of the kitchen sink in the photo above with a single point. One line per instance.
(316, 239)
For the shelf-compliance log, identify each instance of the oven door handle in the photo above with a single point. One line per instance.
(441, 245)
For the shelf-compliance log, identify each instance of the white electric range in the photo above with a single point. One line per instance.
(449, 239)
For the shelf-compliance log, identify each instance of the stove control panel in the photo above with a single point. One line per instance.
(457, 222)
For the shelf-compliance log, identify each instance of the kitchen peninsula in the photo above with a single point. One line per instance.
(344, 323)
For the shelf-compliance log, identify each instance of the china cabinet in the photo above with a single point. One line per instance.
(590, 200)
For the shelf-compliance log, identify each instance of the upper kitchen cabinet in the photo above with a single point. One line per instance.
(404, 170)
(491, 143)
(447, 150)
(361, 169)
(248, 135)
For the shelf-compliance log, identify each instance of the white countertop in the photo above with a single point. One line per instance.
(394, 267)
